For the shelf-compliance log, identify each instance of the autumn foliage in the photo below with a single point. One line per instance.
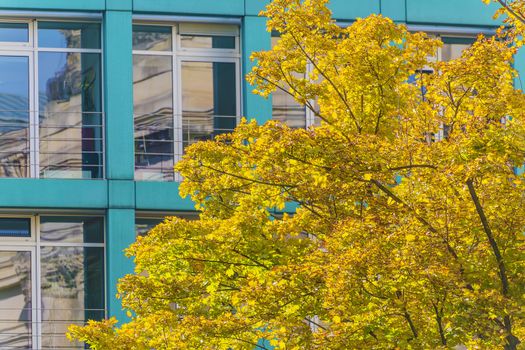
(369, 231)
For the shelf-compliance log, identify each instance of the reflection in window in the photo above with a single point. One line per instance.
(153, 110)
(69, 35)
(209, 100)
(143, 226)
(205, 80)
(153, 38)
(16, 314)
(453, 47)
(15, 227)
(69, 120)
(14, 32)
(70, 115)
(285, 108)
(208, 42)
(71, 275)
(14, 116)
(66, 264)
(72, 280)
(71, 229)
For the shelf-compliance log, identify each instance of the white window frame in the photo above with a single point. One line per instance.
(179, 55)
(31, 49)
(33, 244)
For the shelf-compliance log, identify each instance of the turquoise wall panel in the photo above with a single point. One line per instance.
(394, 9)
(62, 5)
(253, 7)
(254, 38)
(119, 5)
(342, 9)
(161, 196)
(48, 193)
(121, 194)
(352, 9)
(459, 12)
(120, 233)
(207, 7)
(118, 66)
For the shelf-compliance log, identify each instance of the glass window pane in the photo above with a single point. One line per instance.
(71, 229)
(69, 82)
(143, 226)
(153, 110)
(70, 112)
(69, 35)
(154, 167)
(72, 288)
(14, 116)
(207, 42)
(15, 300)
(209, 100)
(452, 51)
(285, 108)
(15, 227)
(152, 85)
(152, 38)
(453, 47)
(14, 32)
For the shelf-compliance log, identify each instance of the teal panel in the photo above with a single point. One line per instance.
(121, 194)
(62, 5)
(119, 5)
(352, 9)
(253, 7)
(464, 12)
(254, 38)
(161, 196)
(342, 9)
(119, 95)
(394, 9)
(208, 7)
(51, 193)
(120, 233)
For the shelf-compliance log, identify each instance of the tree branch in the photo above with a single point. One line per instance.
(511, 11)
(512, 341)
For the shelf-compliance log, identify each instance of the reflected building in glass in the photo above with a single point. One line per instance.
(98, 101)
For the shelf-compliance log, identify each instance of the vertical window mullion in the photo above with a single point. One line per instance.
(36, 283)
(34, 103)
(238, 93)
(178, 126)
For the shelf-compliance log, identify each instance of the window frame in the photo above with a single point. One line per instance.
(179, 55)
(32, 50)
(34, 245)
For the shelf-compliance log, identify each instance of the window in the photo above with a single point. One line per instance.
(185, 89)
(52, 270)
(452, 48)
(287, 110)
(51, 121)
(144, 224)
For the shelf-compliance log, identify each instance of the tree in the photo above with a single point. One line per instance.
(397, 240)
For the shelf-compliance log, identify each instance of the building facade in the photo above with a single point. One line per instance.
(98, 99)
